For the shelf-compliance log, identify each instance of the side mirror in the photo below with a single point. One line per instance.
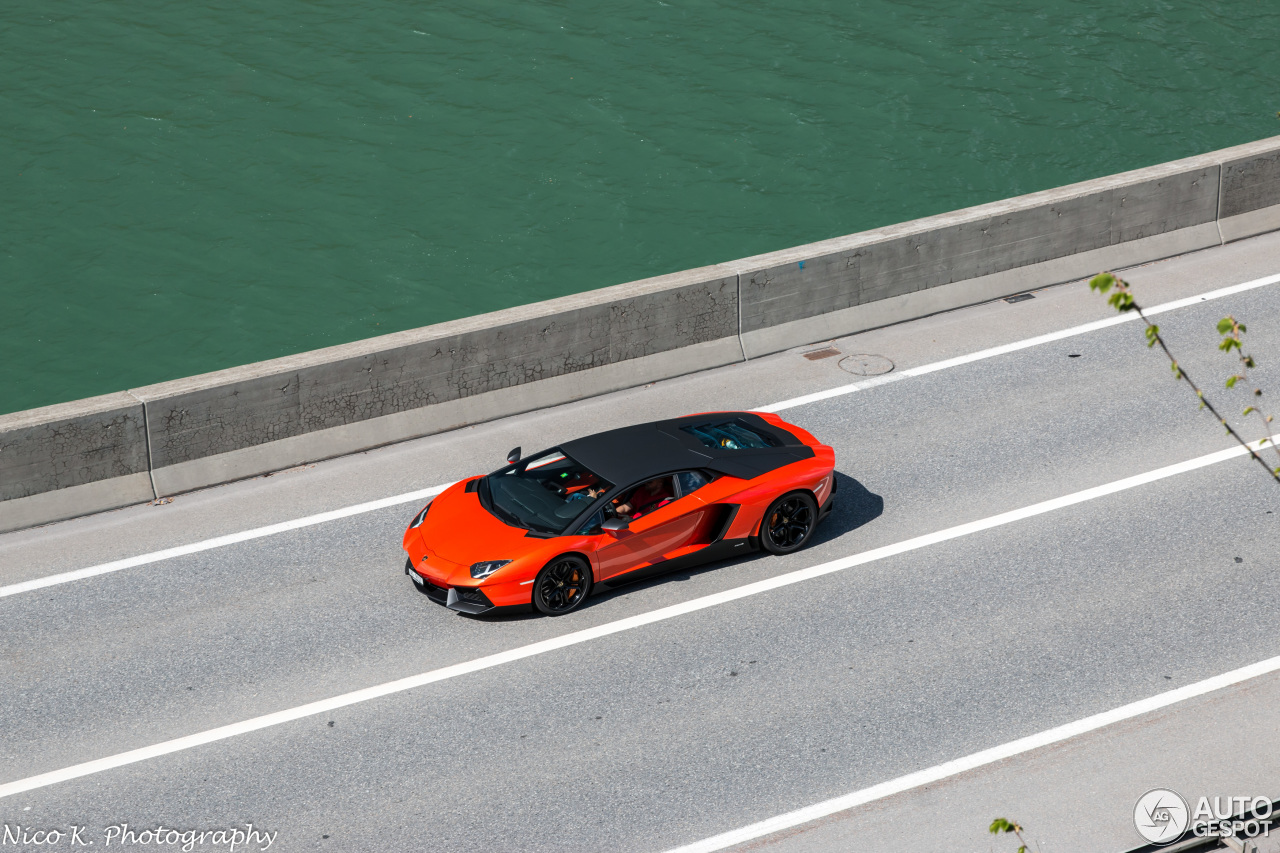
(513, 456)
(615, 526)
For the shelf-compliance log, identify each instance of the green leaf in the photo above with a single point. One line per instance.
(1249, 409)
(1231, 381)
(1000, 825)
(1248, 362)
(1224, 325)
(1102, 282)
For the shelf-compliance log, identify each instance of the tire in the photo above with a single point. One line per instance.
(788, 523)
(562, 586)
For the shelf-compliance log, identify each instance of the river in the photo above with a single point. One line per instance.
(190, 186)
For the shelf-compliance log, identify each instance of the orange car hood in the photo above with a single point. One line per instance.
(462, 531)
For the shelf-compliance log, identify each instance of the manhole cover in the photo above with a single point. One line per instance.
(866, 365)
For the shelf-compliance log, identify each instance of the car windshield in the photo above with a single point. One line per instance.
(545, 492)
(731, 435)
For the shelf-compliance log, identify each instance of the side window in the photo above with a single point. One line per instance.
(690, 481)
(592, 525)
(644, 498)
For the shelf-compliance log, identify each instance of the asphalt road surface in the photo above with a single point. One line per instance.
(650, 736)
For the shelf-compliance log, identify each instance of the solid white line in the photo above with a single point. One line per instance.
(978, 759)
(1018, 345)
(156, 556)
(588, 634)
(229, 539)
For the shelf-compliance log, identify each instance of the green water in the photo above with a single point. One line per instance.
(190, 186)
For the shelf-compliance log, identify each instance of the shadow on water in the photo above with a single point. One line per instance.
(855, 506)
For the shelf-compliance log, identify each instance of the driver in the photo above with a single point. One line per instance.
(646, 498)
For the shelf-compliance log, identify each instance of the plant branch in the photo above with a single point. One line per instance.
(1122, 300)
(1232, 329)
(1001, 824)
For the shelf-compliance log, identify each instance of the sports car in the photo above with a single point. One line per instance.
(616, 507)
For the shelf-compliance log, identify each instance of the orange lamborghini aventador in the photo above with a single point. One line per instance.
(619, 506)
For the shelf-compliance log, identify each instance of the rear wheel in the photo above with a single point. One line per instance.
(562, 585)
(789, 523)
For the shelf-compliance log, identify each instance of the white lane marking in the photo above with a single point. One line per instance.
(1017, 345)
(218, 542)
(978, 759)
(143, 559)
(574, 638)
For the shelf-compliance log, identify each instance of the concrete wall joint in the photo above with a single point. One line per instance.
(146, 432)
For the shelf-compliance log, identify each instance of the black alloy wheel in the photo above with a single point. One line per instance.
(562, 585)
(789, 523)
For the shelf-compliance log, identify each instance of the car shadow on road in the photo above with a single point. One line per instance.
(855, 506)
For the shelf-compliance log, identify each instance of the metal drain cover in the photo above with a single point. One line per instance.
(866, 365)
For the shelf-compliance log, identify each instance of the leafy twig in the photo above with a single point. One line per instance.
(1122, 300)
(1232, 329)
(1000, 825)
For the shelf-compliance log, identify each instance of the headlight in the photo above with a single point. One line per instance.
(418, 519)
(483, 570)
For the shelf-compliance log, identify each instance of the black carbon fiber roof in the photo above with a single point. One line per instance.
(631, 454)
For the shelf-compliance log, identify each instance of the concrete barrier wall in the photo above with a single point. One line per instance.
(196, 422)
(72, 459)
(824, 281)
(1250, 187)
(124, 448)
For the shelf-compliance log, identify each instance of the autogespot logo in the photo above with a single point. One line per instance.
(1161, 816)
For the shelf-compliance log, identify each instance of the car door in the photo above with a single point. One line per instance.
(653, 536)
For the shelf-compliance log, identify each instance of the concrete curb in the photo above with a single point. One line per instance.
(90, 455)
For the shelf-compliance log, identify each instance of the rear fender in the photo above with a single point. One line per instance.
(755, 530)
(757, 499)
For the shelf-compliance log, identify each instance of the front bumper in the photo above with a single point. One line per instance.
(464, 599)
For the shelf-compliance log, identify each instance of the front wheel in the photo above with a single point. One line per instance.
(789, 523)
(562, 585)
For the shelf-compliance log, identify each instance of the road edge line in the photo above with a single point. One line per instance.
(1004, 349)
(218, 541)
(975, 760)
